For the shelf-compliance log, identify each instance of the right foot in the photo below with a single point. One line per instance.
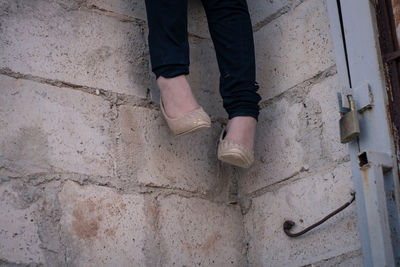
(176, 95)
(241, 129)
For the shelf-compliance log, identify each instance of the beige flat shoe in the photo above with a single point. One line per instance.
(234, 153)
(189, 122)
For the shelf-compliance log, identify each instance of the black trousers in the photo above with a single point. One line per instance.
(231, 32)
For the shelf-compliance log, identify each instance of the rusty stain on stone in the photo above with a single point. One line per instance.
(87, 216)
(84, 224)
(153, 212)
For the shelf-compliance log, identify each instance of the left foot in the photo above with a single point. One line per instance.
(241, 129)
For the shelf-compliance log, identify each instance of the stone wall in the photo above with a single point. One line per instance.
(91, 176)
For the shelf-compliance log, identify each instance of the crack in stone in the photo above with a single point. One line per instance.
(5, 262)
(301, 89)
(292, 178)
(41, 179)
(336, 260)
(283, 10)
(120, 17)
(113, 97)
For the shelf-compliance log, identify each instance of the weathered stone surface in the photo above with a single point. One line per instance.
(105, 228)
(44, 128)
(325, 94)
(278, 151)
(198, 232)
(19, 240)
(292, 48)
(148, 152)
(263, 11)
(136, 9)
(77, 46)
(131, 8)
(296, 132)
(305, 201)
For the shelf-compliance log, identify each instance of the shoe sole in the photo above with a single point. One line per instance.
(233, 155)
(235, 159)
(195, 129)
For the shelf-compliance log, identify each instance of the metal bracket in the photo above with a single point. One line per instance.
(362, 95)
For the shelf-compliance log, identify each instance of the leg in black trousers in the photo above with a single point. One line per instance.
(232, 35)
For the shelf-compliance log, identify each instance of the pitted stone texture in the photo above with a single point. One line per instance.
(107, 228)
(262, 11)
(46, 128)
(136, 9)
(76, 46)
(293, 48)
(305, 201)
(131, 8)
(296, 132)
(149, 153)
(19, 240)
(325, 93)
(279, 153)
(198, 232)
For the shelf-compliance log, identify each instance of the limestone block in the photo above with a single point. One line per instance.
(278, 151)
(149, 153)
(261, 11)
(296, 132)
(44, 128)
(19, 240)
(136, 9)
(304, 201)
(198, 232)
(77, 46)
(293, 48)
(104, 228)
(131, 8)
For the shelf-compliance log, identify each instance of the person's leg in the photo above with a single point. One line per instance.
(231, 31)
(169, 54)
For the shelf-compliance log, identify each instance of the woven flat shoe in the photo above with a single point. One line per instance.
(189, 122)
(234, 153)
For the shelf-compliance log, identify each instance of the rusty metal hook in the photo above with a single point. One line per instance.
(288, 225)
